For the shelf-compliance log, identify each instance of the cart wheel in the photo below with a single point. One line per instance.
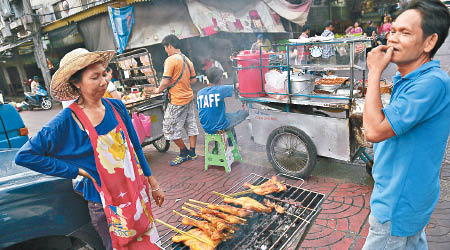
(291, 151)
(162, 145)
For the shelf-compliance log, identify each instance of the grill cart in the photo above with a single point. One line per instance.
(302, 105)
(138, 76)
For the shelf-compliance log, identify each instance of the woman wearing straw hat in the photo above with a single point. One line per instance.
(95, 138)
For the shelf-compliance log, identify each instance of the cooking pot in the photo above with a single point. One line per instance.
(301, 84)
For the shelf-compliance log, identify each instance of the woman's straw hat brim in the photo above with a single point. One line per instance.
(72, 62)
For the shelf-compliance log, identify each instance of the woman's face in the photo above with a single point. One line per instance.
(93, 81)
(356, 24)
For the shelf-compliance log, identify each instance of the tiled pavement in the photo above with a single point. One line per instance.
(342, 224)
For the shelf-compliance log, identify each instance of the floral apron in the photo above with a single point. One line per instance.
(125, 190)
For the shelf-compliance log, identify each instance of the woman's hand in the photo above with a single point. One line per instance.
(157, 193)
(83, 173)
(158, 196)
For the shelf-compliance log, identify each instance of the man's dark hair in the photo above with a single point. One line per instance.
(435, 19)
(171, 40)
(328, 23)
(306, 27)
(108, 69)
(214, 75)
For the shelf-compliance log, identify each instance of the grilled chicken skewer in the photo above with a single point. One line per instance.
(240, 212)
(268, 187)
(205, 226)
(227, 217)
(221, 225)
(193, 243)
(204, 241)
(246, 203)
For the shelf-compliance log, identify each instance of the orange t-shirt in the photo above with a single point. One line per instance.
(181, 93)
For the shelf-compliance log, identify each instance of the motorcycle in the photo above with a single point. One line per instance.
(38, 99)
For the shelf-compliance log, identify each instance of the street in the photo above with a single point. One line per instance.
(343, 222)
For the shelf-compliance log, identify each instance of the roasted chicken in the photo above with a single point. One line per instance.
(196, 244)
(221, 225)
(205, 226)
(227, 217)
(268, 187)
(248, 203)
(240, 212)
(275, 206)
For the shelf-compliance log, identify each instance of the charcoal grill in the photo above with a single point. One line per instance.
(267, 231)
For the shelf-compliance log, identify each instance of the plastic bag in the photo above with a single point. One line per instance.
(275, 84)
(142, 124)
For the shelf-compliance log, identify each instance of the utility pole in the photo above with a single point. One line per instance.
(41, 60)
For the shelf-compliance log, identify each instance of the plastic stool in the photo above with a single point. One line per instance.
(225, 155)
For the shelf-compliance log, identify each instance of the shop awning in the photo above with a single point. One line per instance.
(15, 44)
(296, 13)
(82, 15)
(211, 16)
(153, 21)
(65, 36)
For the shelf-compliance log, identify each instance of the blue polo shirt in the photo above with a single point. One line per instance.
(407, 165)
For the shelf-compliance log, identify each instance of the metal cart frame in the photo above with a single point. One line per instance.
(152, 107)
(297, 130)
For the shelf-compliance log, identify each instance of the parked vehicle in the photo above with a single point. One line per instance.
(41, 212)
(39, 99)
(13, 133)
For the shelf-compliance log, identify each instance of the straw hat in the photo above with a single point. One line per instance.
(72, 62)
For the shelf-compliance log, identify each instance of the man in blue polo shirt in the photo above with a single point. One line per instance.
(211, 105)
(411, 132)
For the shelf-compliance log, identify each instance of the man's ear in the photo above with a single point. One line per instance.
(430, 42)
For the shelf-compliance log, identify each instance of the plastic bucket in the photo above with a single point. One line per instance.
(249, 72)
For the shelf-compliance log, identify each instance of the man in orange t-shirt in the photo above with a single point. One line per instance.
(180, 110)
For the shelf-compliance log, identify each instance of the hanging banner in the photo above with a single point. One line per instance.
(212, 16)
(122, 20)
(296, 13)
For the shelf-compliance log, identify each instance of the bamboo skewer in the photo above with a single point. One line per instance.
(298, 217)
(180, 214)
(185, 233)
(243, 192)
(199, 202)
(187, 209)
(198, 207)
(222, 195)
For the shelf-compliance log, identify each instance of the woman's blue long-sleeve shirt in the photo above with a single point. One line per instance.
(61, 147)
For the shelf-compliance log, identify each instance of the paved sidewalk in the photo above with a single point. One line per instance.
(342, 224)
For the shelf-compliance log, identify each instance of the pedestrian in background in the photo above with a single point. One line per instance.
(371, 30)
(328, 52)
(95, 138)
(178, 76)
(305, 31)
(411, 132)
(355, 30)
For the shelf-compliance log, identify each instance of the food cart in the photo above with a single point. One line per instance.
(306, 106)
(138, 77)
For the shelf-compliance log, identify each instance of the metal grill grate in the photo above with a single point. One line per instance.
(267, 231)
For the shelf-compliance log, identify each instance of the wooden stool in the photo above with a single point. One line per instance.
(222, 154)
